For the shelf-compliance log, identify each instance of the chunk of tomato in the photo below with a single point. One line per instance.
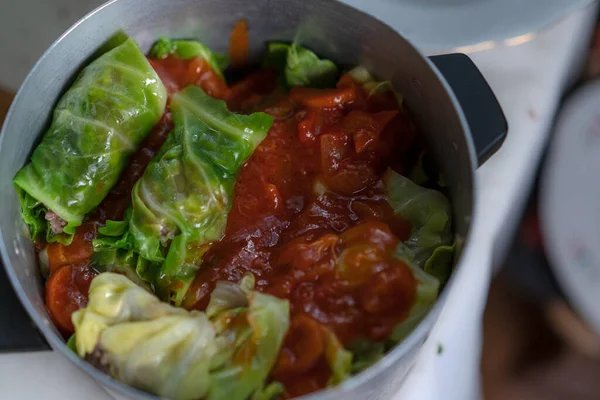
(303, 346)
(80, 250)
(66, 292)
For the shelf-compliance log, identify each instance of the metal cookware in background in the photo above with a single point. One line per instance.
(442, 93)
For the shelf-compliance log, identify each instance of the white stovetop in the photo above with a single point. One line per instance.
(528, 80)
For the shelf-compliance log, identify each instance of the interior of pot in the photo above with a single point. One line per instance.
(329, 28)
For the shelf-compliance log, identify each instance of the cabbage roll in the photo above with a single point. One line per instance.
(226, 353)
(180, 204)
(96, 126)
(130, 334)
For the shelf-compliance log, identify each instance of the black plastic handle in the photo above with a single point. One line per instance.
(482, 110)
(17, 331)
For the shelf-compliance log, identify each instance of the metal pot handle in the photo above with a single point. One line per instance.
(17, 331)
(482, 110)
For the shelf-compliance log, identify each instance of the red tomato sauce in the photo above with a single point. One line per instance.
(311, 221)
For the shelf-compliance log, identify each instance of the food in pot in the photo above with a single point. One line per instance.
(215, 238)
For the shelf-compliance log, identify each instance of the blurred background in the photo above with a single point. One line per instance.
(540, 336)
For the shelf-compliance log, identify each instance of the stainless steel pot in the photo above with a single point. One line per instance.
(433, 91)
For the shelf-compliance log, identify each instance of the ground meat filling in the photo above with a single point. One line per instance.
(57, 224)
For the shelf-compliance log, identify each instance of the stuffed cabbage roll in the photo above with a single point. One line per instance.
(224, 354)
(180, 204)
(130, 334)
(96, 126)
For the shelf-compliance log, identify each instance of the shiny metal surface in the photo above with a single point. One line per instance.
(333, 30)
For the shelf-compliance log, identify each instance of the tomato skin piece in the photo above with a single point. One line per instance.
(322, 98)
(392, 288)
(303, 254)
(307, 129)
(334, 148)
(273, 196)
(366, 128)
(201, 74)
(66, 292)
(303, 346)
(376, 233)
(358, 263)
(351, 179)
(360, 96)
